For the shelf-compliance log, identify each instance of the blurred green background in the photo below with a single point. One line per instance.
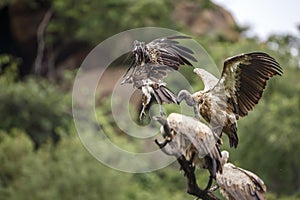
(42, 44)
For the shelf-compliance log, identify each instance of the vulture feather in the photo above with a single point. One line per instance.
(238, 90)
(151, 62)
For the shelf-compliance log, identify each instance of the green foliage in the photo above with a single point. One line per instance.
(8, 67)
(11, 158)
(273, 126)
(268, 135)
(94, 21)
(207, 4)
(287, 46)
(34, 106)
(69, 172)
(34, 110)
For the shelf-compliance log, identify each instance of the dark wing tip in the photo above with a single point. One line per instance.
(268, 60)
(175, 37)
(169, 51)
(251, 72)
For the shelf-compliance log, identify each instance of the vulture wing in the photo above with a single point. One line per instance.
(168, 51)
(244, 78)
(194, 135)
(163, 51)
(237, 183)
(209, 80)
(150, 74)
(259, 184)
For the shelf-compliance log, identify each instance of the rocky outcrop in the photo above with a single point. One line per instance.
(203, 17)
(20, 22)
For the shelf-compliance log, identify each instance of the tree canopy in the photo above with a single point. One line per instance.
(41, 156)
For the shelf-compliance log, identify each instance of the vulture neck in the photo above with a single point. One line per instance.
(203, 100)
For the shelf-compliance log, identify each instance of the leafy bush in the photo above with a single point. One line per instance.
(34, 106)
(69, 172)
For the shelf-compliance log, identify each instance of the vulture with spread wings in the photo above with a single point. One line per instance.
(239, 89)
(150, 64)
(236, 183)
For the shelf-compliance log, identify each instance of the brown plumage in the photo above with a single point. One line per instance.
(151, 63)
(193, 139)
(239, 184)
(239, 89)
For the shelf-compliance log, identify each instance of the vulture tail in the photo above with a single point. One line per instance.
(233, 137)
(165, 95)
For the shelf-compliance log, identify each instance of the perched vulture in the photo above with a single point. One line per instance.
(194, 140)
(150, 64)
(239, 184)
(239, 89)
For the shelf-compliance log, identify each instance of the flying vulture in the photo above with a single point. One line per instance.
(150, 64)
(238, 184)
(239, 89)
(194, 140)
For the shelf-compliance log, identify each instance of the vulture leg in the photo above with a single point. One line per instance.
(142, 113)
(145, 101)
(158, 100)
(161, 110)
(186, 95)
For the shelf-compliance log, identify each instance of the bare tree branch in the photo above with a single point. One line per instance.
(192, 186)
(38, 63)
(189, 172)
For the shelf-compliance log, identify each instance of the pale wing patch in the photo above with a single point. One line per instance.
(207, 78)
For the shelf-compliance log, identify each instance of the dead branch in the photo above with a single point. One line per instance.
(189, 172)
(192, 186)
(38, 63)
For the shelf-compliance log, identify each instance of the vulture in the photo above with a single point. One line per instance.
(194, 140)
(238, 184)
(151, 62)
(238, 90)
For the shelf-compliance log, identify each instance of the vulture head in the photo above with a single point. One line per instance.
(225, 157)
